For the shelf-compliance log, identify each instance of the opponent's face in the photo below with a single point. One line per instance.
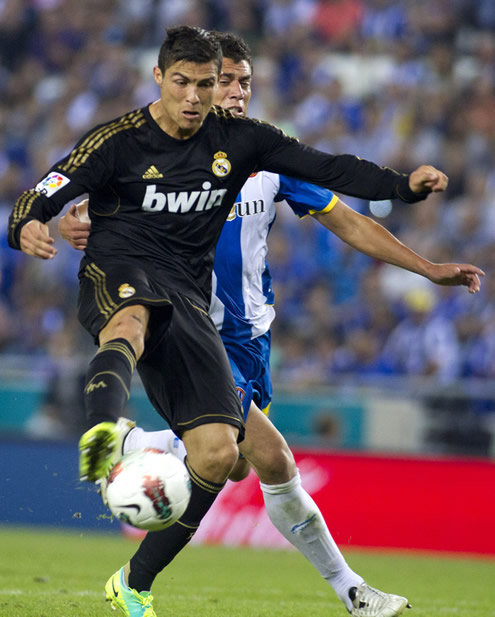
(234, 86)
(186, 96)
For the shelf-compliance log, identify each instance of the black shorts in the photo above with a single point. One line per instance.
(184, 367)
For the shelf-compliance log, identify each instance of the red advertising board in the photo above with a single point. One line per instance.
(372, 501)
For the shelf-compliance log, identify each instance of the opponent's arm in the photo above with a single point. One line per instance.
(74, 227)
(369, 237)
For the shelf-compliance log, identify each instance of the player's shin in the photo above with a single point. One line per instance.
(105, 395)
(108, 381)
(295, 514)
(159, 548)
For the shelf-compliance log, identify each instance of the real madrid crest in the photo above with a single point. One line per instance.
(221, 165)
(126, 291)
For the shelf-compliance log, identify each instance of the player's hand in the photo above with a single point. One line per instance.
(427, 178)
(73, 229)
(36, 240)
(457, 274)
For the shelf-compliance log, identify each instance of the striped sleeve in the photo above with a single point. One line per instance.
(88, 167)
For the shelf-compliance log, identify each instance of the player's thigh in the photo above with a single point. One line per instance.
(187, 375)
(212, 450)
(106, 292)
(266, 450)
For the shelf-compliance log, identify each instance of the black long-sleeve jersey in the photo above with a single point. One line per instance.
(163, 201)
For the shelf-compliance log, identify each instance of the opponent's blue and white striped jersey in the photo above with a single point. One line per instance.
(242, 298)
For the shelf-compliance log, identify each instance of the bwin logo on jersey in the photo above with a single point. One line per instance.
(183, 201)
(246, 208)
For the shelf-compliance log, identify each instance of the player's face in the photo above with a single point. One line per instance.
(186, 96)
(234, 86)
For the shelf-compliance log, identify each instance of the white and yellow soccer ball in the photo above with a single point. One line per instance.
(148, 489)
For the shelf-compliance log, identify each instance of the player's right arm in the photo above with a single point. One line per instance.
(35, 240)
(369, 237)
(85, 169)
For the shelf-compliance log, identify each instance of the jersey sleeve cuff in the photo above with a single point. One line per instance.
(327, 208)
(404, 192)
(14, 235)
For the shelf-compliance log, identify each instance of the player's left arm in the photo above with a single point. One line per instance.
(427, 178)
(369, 237)
(348, 174)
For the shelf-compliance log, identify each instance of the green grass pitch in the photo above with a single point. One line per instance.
(62, 574)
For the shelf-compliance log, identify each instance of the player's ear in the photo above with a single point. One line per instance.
(158, 76)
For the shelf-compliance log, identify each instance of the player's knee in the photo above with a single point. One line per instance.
(278, 466)
(214, 465)
(220, 460)
(212, 450)
(240, 471)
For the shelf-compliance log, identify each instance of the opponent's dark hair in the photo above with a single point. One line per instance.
(189, 44)
(234, 47)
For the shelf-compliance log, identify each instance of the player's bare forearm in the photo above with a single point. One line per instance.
(369, 237)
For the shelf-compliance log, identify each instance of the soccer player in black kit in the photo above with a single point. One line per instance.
(161, 182)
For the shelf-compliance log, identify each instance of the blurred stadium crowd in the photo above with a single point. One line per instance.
(398, 82)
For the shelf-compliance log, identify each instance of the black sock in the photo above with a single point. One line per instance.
(108, 381)
(159, 547)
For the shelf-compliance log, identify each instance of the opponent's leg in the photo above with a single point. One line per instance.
(107, 388)
(165, 440)
(295, 514)
(290, 508)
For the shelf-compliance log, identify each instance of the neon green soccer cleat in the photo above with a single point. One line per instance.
(128, 601)
(96, 451)
(123, 428)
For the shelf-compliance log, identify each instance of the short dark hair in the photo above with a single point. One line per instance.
(189, 44)
(234, 47)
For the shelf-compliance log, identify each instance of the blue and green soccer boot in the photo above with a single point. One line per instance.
(128, 601)
(97, 448)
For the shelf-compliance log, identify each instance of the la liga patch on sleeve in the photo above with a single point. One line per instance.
(51, 184)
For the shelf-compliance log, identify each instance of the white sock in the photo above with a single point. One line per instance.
(294, 513)
(162, 440)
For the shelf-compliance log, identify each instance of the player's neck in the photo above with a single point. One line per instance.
(167, 124)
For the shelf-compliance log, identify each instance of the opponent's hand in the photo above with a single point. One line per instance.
(427, 178)
(457, 274)
(36, 240)
(73, 230)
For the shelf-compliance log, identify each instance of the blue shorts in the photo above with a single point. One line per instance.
(250, 363)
